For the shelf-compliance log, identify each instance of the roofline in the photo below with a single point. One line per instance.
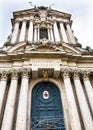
(39, 8)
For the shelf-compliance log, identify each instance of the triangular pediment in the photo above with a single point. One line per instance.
(35, 10)
(44, 46)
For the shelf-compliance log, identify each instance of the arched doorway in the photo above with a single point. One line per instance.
(46, 108)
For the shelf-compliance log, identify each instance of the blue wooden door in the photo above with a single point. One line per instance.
(46, 108)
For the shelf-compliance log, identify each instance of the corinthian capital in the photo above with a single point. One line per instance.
(4, 75)
(66, 73)
(76, 74)
(14, 74)
(86, 75)
(25, 72)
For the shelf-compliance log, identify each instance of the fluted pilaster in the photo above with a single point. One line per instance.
(15, 32)
(88, 123)
(88, 88)
(74, 118)
(3, 84)
(22, 107)
(23, 31)
(63, 32)
(56, 32)
(10, 104)
(72, 39)
(30, 32)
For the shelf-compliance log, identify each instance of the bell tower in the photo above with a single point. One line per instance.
(42, 24)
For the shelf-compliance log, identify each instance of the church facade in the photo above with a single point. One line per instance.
(46, 76)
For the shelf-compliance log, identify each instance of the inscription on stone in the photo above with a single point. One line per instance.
(45, 63)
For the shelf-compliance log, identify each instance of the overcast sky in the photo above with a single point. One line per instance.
(81, 11)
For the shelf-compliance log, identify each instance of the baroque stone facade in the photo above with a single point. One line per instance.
(42, 49)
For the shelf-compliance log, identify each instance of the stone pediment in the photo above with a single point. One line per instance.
(43, 45)
(42, 11)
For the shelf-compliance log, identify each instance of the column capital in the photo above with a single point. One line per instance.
(86, 75)
(31, 20)
(25, 72)
(76, 74)
(14, 74)
(17, 22)
(66, 73)
(24, 20)
(4, 75)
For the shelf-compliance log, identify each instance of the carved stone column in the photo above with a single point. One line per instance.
(51, 35)
(63, 32)
(15, 32)
(56, 32)
(88, 123)
(88, 88)
(10, 104)
(35, 34)
(38, 34)
(22, 106)
(72, 39)
(3, 84)
(74, 118)
(30, 32)
(23, 31)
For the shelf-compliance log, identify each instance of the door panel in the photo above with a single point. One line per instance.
(46, 110)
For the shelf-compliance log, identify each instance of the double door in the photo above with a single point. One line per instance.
(46, 108)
